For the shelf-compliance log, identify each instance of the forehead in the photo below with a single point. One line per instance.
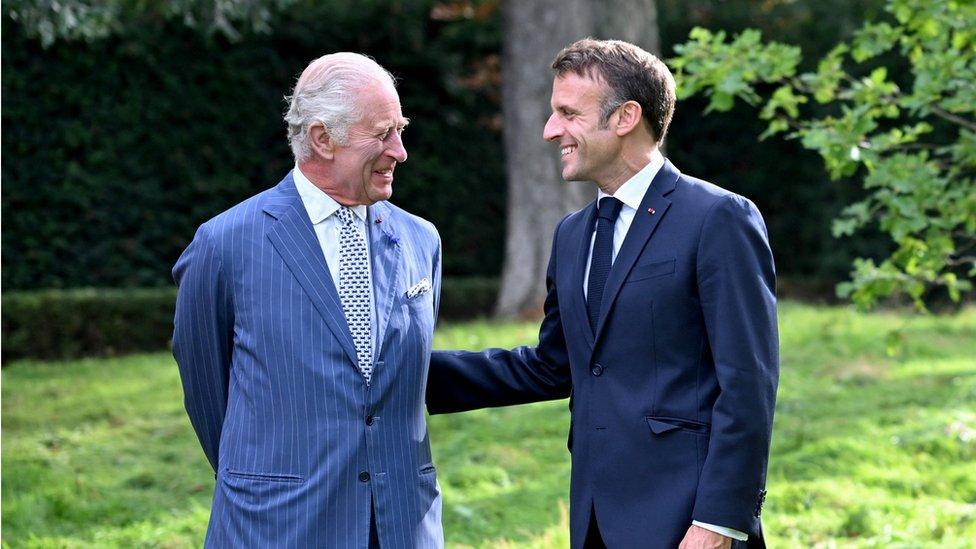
(573, 90)
(380, 104)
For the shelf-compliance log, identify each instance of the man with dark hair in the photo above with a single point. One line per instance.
(660, 324)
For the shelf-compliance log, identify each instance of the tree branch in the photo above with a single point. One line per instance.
(955, 262)
(905, 147)
(946, 115)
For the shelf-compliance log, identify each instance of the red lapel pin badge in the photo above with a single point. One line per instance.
(650, 211)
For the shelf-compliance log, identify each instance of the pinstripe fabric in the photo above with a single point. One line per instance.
(272, 390)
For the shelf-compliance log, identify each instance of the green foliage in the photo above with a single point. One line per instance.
(909, 138)
(868, 449)
(468, 297)
(85, 20)
(746, 62)
(118, 144)
(114, 150)
(61, 324)
(54, 324)
(786, 181)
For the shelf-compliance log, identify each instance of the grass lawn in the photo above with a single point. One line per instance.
(868, 449)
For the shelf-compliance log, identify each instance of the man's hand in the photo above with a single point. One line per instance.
(699, 538)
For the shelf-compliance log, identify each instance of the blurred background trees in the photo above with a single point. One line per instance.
(126, 124)
(116, 146)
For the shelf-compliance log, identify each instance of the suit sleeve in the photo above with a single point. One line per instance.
(203, 339)
(736, 282)
(464, 380)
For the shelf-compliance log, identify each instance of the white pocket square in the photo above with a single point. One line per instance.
(419, 288)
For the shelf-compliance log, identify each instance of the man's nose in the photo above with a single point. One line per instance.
(396, 150)
(552, 129)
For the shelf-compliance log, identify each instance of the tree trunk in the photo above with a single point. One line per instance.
(633, 21)
(534, 31)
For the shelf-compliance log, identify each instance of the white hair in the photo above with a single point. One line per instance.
(326, 93)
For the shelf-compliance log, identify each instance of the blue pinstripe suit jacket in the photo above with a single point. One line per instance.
(272, 390)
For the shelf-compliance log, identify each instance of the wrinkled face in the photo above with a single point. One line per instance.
(363, 166)
(588, 152)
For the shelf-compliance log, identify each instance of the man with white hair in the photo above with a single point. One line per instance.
(303, 332)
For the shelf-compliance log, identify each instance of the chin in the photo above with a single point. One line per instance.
(572, 173)
(381, 194)
(571, 176)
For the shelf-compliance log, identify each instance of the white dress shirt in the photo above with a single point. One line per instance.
(631, 193)
(321, 209)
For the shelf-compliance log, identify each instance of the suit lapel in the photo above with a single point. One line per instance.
(652, 209)
(582, 236)
(384, 250)
(294, 239)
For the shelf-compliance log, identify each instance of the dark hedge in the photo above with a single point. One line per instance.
(61, 324)
(114, 151)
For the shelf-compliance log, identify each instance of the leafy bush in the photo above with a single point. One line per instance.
(115, 150)
(127, 125)
(59, 324)
(900, 104)
(469, 297)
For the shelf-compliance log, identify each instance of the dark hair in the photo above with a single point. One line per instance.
(630, 73)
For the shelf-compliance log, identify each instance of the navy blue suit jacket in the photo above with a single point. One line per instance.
(301, 447)
(672, 398)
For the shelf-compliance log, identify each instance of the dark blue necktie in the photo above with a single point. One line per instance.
(602, 259)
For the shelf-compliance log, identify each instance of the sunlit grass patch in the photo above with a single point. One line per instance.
(873, 445)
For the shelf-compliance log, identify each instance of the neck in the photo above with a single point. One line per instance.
(321, 176)
(630, 162)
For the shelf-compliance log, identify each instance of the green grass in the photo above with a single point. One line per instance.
(869, 449)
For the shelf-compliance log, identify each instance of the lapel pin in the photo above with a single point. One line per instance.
(650, 211)
(379, 220)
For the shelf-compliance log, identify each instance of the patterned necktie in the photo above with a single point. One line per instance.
(602, 259)
(355, 291)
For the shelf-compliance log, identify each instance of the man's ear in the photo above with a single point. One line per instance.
(322, 143)
(630, 117)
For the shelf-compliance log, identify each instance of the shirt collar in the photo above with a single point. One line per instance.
(318, 204)
(633, 190)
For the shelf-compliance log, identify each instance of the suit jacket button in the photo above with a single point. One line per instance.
(364, 477)
(369, 420)
(597, 369)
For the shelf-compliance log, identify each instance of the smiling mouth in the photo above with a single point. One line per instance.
(567, 149)
(385, 173)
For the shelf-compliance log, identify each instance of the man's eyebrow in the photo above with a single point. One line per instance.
(403, 123)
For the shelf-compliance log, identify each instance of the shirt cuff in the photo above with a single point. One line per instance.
(727, 532)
